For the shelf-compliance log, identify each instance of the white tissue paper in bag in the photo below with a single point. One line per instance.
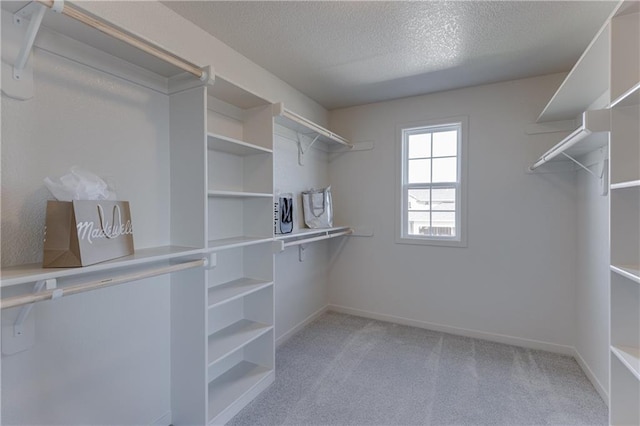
(79, 184)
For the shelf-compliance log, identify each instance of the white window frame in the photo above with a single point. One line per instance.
(402, 187)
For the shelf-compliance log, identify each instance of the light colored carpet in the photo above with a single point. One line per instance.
(346, 370)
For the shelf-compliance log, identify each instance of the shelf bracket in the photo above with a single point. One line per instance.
(20, 335)
(301, 150)
(18, 325)
(601, 176)
(36, 11)
(301, 249)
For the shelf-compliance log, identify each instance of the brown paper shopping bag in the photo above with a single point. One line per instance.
(81, 233)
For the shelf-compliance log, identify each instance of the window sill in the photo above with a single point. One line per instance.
(431, 242)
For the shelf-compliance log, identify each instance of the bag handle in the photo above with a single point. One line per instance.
(116, 232)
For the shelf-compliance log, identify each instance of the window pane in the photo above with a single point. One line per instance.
(419, 171)
(420, 145)
(418, 223)
(445, 144)
(443, 199)
(418, 199)
(443, 224)
(445, 169)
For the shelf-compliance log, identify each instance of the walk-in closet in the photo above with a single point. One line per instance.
(298, 213)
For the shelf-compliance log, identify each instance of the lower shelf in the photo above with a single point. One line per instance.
(234, 337)
(234, 289)
(233, 385)
(630, 357)
(631, 272)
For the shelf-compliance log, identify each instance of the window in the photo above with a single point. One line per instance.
(432, 200)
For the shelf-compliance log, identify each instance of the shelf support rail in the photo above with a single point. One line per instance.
(54, 293)
(138, 43)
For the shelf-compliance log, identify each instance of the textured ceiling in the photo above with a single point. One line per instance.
(344, 53)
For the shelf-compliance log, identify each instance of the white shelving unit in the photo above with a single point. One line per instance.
(240, 300)
(624, 406)
(221, 161)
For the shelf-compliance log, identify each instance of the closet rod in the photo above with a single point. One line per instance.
(126, 38)
(12, 302)
(323, 237)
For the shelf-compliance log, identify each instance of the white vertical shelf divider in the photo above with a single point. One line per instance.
(624, 398)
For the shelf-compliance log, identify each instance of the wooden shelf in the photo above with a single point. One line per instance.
(228, 243)
(33, 272)
(627, 271)
(234, 337)
(235, 289)
(233, 384)
(630, 357)
(234, 146)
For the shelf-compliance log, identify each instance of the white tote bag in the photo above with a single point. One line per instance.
(317, 207)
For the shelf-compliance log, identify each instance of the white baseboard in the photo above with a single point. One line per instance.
(500, 338)
(602, 390)
(286, 336)
(164, 420)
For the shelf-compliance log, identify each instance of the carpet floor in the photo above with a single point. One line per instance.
(347, 370)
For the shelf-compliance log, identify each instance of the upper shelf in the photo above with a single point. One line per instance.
(587, 81)
(303, 126)
(234, 146)
(591, 134)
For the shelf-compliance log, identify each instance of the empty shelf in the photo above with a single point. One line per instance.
(234, 289)
(234, 146)
(303, 126)
(632, 184)
(629, 98)
(233, 337)
(228, 243)
(630, 357)
(631, 272)
(232, 385)
(310, 232)
(238, 194)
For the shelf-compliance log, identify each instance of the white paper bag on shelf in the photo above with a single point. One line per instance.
(317, 207)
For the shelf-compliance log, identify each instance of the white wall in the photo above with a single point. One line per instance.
(301, 288)
(100, 357)
(516, 277)
(592, 286)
